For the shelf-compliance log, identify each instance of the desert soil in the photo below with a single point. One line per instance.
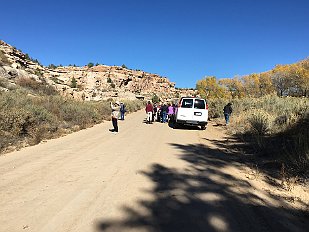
(145, 178)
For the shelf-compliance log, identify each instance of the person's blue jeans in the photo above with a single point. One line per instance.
(227, 118)
(163, 117)
(121, 115)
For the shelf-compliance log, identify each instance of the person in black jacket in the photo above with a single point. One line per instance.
(122, 110)
(164, 110)
(227, 110)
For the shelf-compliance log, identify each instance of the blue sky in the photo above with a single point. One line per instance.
(181, 40)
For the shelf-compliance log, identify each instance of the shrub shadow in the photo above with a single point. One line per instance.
(204, 197)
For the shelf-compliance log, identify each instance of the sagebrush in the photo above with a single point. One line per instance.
(28, 119)
(273, 126)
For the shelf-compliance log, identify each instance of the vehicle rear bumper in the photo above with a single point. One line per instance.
(192, 123)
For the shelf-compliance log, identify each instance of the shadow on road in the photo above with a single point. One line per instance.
(205, 197)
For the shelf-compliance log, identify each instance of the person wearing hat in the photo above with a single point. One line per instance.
(115, 114)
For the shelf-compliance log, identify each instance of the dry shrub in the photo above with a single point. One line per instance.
(32, 118)
(7, 139)
(3, 82)
(102, 109)
(134, 105)
(294, 144)
(260, 122)
(275, 126)
(288, 181)
(79, 113)
(15, 121)
(3, 59)
(38, 87)
(239, 125)
(216, 107)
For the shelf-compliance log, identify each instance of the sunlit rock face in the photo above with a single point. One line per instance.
(92, 82)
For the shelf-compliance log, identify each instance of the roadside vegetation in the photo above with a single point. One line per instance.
(270, 112)
(3, 59)
(275, 127)
(32, 111)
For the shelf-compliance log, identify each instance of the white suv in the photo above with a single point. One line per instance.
(192, 111)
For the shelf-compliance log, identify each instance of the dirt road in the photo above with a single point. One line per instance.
(145, 178)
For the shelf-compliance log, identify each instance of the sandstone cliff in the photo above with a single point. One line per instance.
(88, 83)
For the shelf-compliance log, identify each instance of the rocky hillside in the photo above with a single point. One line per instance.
(88, 82)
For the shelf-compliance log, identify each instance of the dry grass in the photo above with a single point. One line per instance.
(288, 181)
(254, 173)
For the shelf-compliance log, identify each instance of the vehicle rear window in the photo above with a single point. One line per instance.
(199, 104)
(187, 103)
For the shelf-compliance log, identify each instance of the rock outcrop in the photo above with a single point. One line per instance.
(88, 83)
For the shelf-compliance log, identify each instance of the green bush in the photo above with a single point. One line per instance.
(73, 83)
(51, 66)
(155, 98)
(90, 65)
(38, 73)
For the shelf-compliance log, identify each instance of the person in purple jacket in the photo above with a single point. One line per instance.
(170, 113)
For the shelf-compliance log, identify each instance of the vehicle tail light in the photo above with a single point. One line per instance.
(206, 106)
(179, 106)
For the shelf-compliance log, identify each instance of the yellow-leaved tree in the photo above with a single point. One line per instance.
(251, 84)
(300, 74)
(266, 85)
(233, 86)
(210, 88)
(282, 79)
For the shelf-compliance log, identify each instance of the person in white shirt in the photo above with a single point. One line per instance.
(115, 114)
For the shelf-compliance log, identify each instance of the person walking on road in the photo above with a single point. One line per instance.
(149, 111)
(115, 114)
(122, 110)
(227, 110)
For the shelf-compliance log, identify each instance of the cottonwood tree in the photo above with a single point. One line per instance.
(233, 86)
(281, 80)
(210, 88)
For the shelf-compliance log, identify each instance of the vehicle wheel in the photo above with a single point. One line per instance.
(176, 125)
(203, 127)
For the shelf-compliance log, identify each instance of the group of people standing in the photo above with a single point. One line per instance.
(156, 113)
(160, 112)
